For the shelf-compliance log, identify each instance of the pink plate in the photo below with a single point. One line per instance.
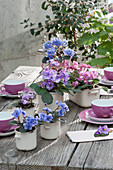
(4, 93)
(90, 114)
(11, 131)
(84, 116)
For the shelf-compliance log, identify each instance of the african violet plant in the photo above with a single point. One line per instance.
(25, 100)
(58, 50)
(52, 80)
(81, 77)
(51, 116)
(27, 124)
(67, 19)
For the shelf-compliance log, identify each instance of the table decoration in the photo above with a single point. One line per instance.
(50, 120)
(89, 135)
(84, 117)
(26, 133)
(102, 131)
(26, 101)
(84, 82)
(108, 72)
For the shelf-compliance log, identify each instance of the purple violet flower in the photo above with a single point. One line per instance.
(49, 118)
(51, 52)
(17, 112)
(68, 52)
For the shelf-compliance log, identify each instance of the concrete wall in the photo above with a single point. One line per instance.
(17, 45)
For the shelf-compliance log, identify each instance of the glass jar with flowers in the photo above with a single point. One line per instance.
(26, 131)
(50, 120)
(84, 82)
(26, 101)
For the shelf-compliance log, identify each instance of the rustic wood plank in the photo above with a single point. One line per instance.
(84, 157)
(57, 153)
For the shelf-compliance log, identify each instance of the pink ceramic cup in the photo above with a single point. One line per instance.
(13, 86)
(108, 72)
(102, 107)
(5, 117)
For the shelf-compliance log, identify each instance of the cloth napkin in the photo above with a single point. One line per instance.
(86, 136)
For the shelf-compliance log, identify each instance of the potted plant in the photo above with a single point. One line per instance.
(26, 132)
(58, 50)
(84, 83)
(50, 120)
(26, 102)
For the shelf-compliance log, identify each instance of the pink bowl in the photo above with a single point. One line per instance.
(13, 86)
(108, 72)
(102, 107)
(5, 117)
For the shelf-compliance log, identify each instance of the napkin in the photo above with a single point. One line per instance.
(86, 136)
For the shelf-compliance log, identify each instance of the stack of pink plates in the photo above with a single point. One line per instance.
(89, 116)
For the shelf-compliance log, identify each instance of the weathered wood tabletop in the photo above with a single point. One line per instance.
(59, 154)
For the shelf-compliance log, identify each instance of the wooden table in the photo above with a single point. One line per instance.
(56, 154)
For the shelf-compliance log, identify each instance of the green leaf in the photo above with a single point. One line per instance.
(13, 122)
(44, 60)
(105, 88)
(109, 28)
(22, 130)
(47, 98)
(66, 57)
(40, 90)
(105, 47)
(59, 91)
(76, 90)
(39, 24)
(34, 85)
(25, 26)
(98, 13)
(47, 16)
(32, 31)
(37, 33)
(100, 61)
(15, 104)
(44, 6)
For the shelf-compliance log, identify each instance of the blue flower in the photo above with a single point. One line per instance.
(30, 122)
(64, 106)
(17, 113)
(56, 41)
(42, 116)
(61, 112)
(51, 52)
(47, 109)
(49, 118)
(65, 43)
(68, 52)
(57, 102)
(47, 45)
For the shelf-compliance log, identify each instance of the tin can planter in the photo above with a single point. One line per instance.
(52, 106)
(85, 98)
(26, 141)
(50, 130)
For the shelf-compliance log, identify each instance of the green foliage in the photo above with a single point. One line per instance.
(99, 41)
(67, 19)
(47, 98)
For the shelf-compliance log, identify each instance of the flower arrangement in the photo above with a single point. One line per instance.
(102, 131)
(52, 80)
(26, 99)
(51, 116)
(58, 50)
(27, 124)
(81, 76)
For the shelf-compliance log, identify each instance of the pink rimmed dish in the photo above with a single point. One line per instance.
(90, 114)
(11, 131)
(4, 93)
(84, 117)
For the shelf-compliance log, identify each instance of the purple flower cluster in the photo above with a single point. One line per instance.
(51, 116)
(30, 122)
(102, 130)
(51, 76)
(28, 97)
(55, 48)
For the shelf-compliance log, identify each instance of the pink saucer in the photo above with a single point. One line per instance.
(9, 132)
(3, 92)
(84, 116)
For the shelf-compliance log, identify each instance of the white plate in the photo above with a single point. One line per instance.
(107, 81)
(8, 133)
(108, 84)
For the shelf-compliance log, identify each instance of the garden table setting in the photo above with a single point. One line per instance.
(58, 116)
